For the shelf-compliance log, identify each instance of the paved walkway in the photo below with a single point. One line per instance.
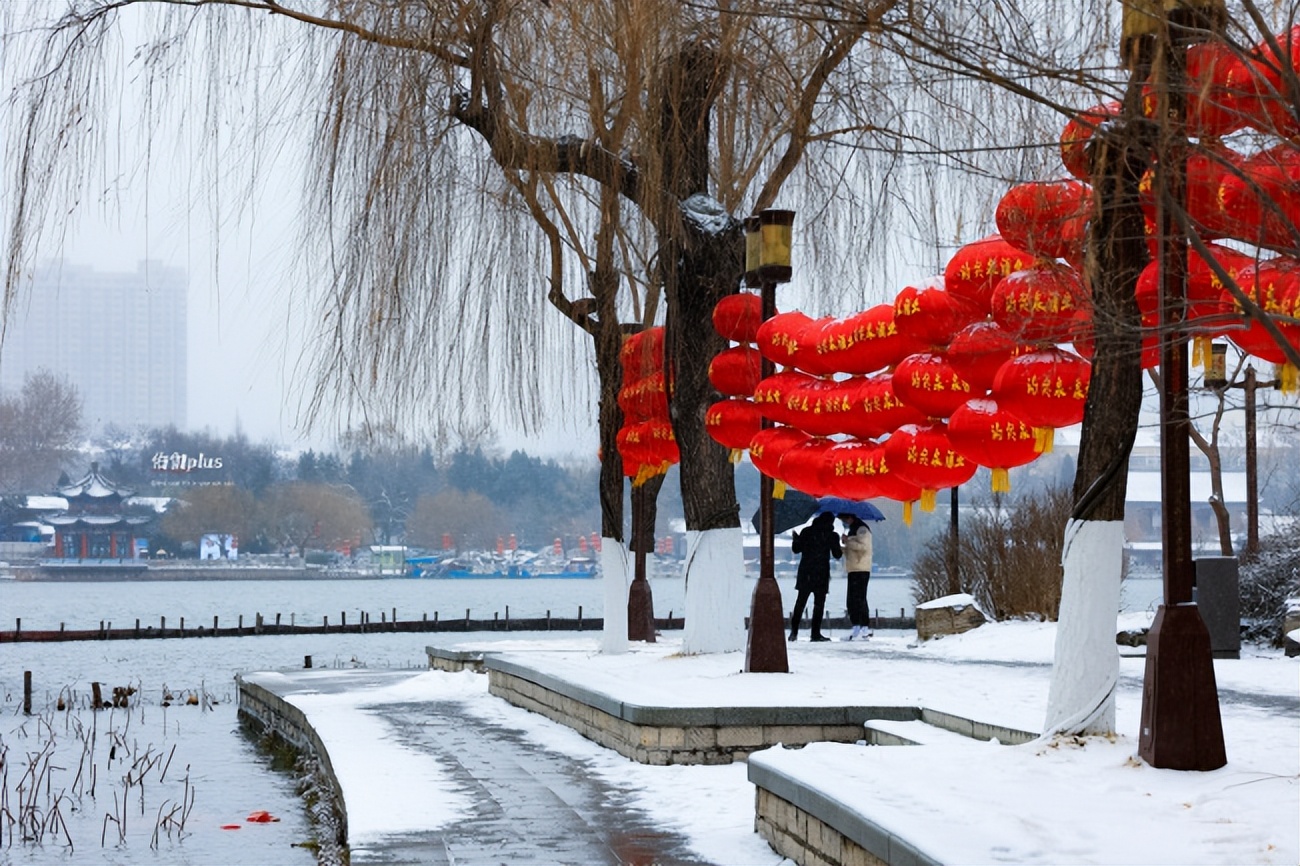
(531, 805)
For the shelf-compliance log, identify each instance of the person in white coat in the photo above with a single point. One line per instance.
(857, 562)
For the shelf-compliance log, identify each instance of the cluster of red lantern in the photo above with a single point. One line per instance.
(736, 372)
(646, 441)
(1251, 198)
(904, 399)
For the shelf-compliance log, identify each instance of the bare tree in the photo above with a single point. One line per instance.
(40, 429)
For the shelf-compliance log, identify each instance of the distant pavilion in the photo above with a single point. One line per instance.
(94, 528)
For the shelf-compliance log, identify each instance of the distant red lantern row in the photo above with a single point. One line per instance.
(646, 441)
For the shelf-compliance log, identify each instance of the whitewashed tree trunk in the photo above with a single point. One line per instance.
(616, 572)
(715, 592)
(1086, 668)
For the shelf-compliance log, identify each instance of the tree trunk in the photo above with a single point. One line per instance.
(701, 257)
(1086, 668)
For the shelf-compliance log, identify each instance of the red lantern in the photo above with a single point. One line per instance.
(650, 446)
(876, 409)
(923, 455)
(978, 351)
(1038, 304)
(1046, 218)
(1045, 389)
(770, 444)
(867, 342)
(992, 437)
(642, 354)
(1207, 167)
(733, 424)
(802, 466)
(736, 371)
(810, 358)
(928, 383)
(930, 316)
(774, 393)
(1222, 87)
(976, 269)
(1274, 286)
(820, 406)
(1264, 80)
(782, 337)
(645, 399)
(1260, 203)
(851, 469)
(1208, 310)
(1078, 132)
(738, 316)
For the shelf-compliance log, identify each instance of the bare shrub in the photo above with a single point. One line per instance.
(1268, 579)
(1009, 556)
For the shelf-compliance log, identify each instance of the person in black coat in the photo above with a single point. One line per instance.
(815, 546)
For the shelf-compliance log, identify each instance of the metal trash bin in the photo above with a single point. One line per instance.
(1218, 596)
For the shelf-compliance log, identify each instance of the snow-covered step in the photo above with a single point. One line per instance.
(883, 732)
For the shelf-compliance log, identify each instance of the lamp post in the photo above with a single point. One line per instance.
(1181, 727)
(640, 601)
(768, 237)
(1216, 379)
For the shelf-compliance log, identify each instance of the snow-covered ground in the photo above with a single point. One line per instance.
(1064, 801)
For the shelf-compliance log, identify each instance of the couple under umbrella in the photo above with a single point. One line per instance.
(816, 545)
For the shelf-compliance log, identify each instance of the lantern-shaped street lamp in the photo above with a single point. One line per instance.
(768, 238)
(1181, 727)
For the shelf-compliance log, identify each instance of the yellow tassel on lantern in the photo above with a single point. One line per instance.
(1043, 437)
(1202, 354)
(1001, 481)
(927, 500)
(1287, 377)
(643, 474)
(778, 488)
(907, 513)
(736, 454)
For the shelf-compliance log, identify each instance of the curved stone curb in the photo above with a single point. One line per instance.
(269, 713)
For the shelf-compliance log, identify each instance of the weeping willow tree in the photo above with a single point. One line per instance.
(470, 163)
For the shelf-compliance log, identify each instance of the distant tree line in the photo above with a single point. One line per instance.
(274, 500)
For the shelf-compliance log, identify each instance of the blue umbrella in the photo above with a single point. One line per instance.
(837, 505)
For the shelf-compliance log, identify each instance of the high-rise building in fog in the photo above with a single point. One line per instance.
(119, 337)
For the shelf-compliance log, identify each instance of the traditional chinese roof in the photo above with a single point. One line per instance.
(96, 521)
(94, 486)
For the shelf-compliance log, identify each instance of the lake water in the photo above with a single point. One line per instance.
(210, 764)
(47, 605)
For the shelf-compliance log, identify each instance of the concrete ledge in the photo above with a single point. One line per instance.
(678, 735)
(810, 828)
(454, 661)
(270, 714)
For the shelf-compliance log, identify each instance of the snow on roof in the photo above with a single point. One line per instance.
(1145, 487)
(47, 503)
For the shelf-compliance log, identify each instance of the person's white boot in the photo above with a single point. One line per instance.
(857, 630)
